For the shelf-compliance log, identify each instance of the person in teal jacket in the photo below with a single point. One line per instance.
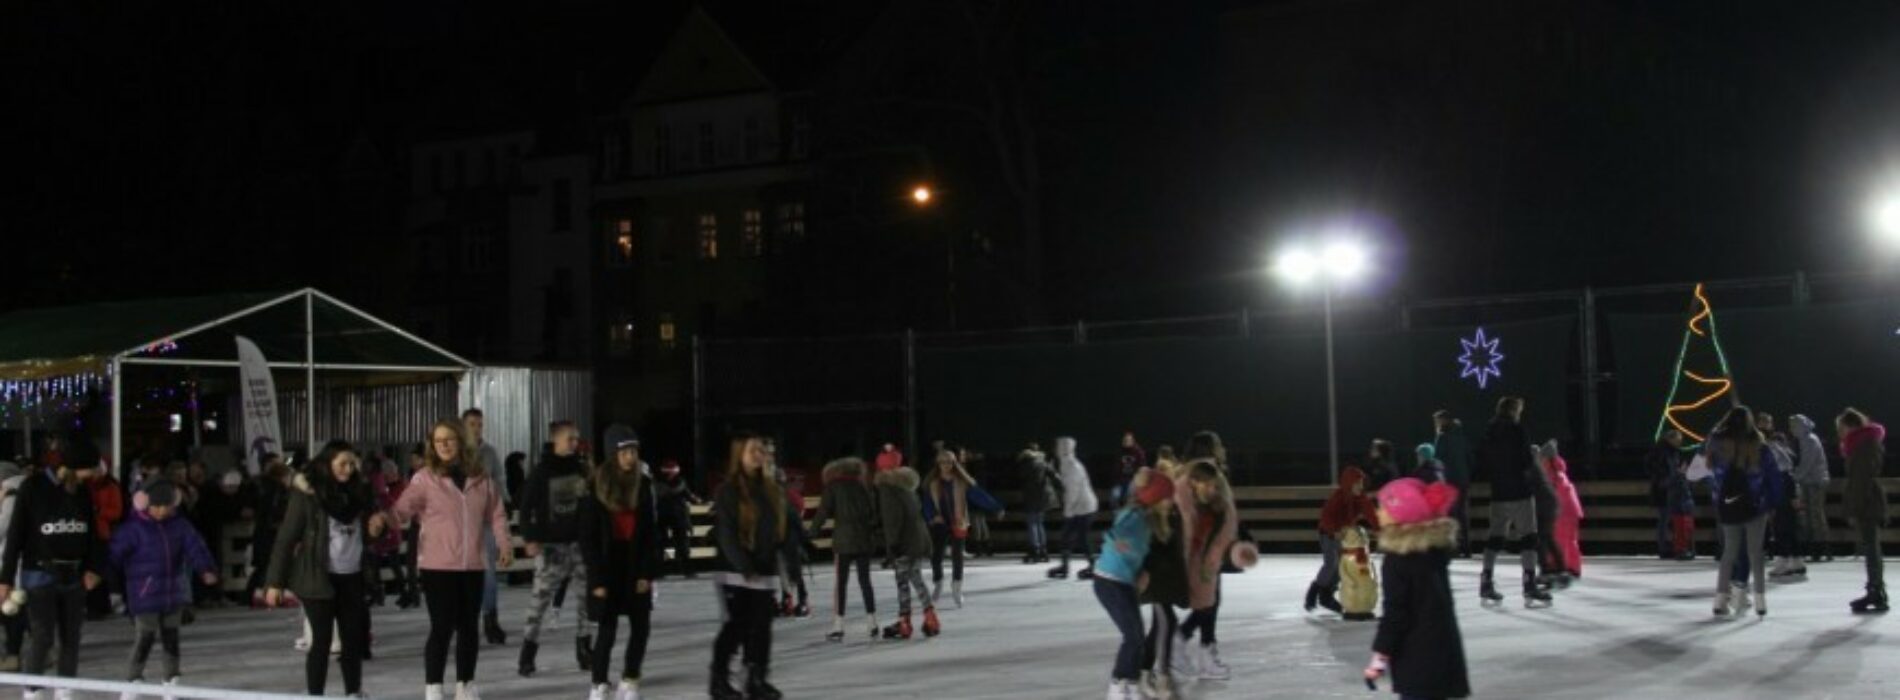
(1118, 573)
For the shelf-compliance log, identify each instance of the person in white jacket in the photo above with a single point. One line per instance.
(1078, 510)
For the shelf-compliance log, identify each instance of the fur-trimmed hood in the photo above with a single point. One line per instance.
(302, 483)
(1439, 533)
(902, 477)
(849, 468)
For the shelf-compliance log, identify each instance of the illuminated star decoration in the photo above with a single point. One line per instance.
(1481, 358)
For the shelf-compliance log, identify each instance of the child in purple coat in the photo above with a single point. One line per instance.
(154, 552)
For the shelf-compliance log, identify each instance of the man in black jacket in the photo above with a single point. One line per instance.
(1505, 456)
(550, 530)
(53, 553)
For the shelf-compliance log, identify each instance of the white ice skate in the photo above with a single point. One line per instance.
(837, 629)
(465, 690)
(1182, 660)
(1720, 609)
(1121, 690)
(1209, 663)
(170, 683)
(875, 631)
(1740, 600)
(1156, 686)
(956, 593)
(132, 694)
(629, 690)
(601, 691)
(432, 691)
(63, 694)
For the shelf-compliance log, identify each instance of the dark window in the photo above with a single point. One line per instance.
(563, 207)
(801, 135)
(511, 163)
(754, 140)
(461, 170)
(488, 166)
(705, 144)
(662, 149)
(435, 172)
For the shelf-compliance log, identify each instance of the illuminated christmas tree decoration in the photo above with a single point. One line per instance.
(1480, 359)
(1702, 314)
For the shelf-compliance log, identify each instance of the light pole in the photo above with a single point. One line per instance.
(1339, 261)
(923, 196)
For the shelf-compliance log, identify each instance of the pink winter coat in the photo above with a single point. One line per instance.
(1204, 557)
(452, 520)
(1568, 504)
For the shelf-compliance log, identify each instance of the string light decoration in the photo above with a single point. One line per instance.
(1701, 326)
(1480, 359)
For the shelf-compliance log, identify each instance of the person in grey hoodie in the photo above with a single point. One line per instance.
(1078, 510)
(1810, 478)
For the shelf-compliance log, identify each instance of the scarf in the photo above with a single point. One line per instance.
(341, 501)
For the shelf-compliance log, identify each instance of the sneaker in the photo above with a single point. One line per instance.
(629, 690)
(601, 691)
(465, 690)
(1211, 666)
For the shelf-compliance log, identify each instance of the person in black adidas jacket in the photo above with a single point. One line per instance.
(52, 552)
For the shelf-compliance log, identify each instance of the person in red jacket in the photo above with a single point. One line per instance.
(1347, 507)
(108, 508)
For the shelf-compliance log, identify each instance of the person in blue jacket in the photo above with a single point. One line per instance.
(1118, 573)
(1747, 487)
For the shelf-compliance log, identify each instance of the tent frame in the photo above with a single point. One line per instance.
(118, 362)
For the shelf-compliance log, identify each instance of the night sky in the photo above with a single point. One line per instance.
(1493, 146)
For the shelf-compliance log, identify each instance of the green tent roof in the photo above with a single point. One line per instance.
(54, 342)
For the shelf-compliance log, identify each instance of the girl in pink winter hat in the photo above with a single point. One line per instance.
(1418, 641)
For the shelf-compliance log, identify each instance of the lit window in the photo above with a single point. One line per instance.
(620, 248)
(708, 236)
(752, 239)
(669, 336)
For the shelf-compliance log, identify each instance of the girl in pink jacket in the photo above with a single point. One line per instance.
(454, 500)
(1569, 554)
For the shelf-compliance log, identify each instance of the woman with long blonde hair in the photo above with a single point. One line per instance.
(455, 501)
(752, 528)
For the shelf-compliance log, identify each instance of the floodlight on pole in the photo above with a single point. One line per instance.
(1883, 217)
(1338, 261)
(922, 195)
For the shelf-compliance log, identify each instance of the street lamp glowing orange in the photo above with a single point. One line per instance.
(921, 195)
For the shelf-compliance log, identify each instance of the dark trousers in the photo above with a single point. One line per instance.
(261, 542)
(1665, 531)
(347, 613)
(1125, 611)
(57, 610)
(15, 626)
(676, 528)
(638, 609)
(1870, 545)
(1159, 646)
(1787, 527)
(1203, 621)
(748, 623)
(842, 565)
(1075, 538)
(454, 600)
(942, 538)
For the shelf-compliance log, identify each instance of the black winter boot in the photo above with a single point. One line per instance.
(755, 686)
(1874, 602)
(492, 628)
(721, 686)
(526, 668)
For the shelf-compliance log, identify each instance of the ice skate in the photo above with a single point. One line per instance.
(932, 627)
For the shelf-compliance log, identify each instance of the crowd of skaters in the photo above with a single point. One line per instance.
(77, 544)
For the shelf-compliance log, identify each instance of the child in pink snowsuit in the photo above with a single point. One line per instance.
(1569, 508)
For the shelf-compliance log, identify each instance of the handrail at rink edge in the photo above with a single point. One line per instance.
(179, 692)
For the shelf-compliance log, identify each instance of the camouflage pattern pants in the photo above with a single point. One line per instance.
(558, 564)
(910, 572)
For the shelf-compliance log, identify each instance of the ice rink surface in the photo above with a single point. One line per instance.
(1632, 628)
